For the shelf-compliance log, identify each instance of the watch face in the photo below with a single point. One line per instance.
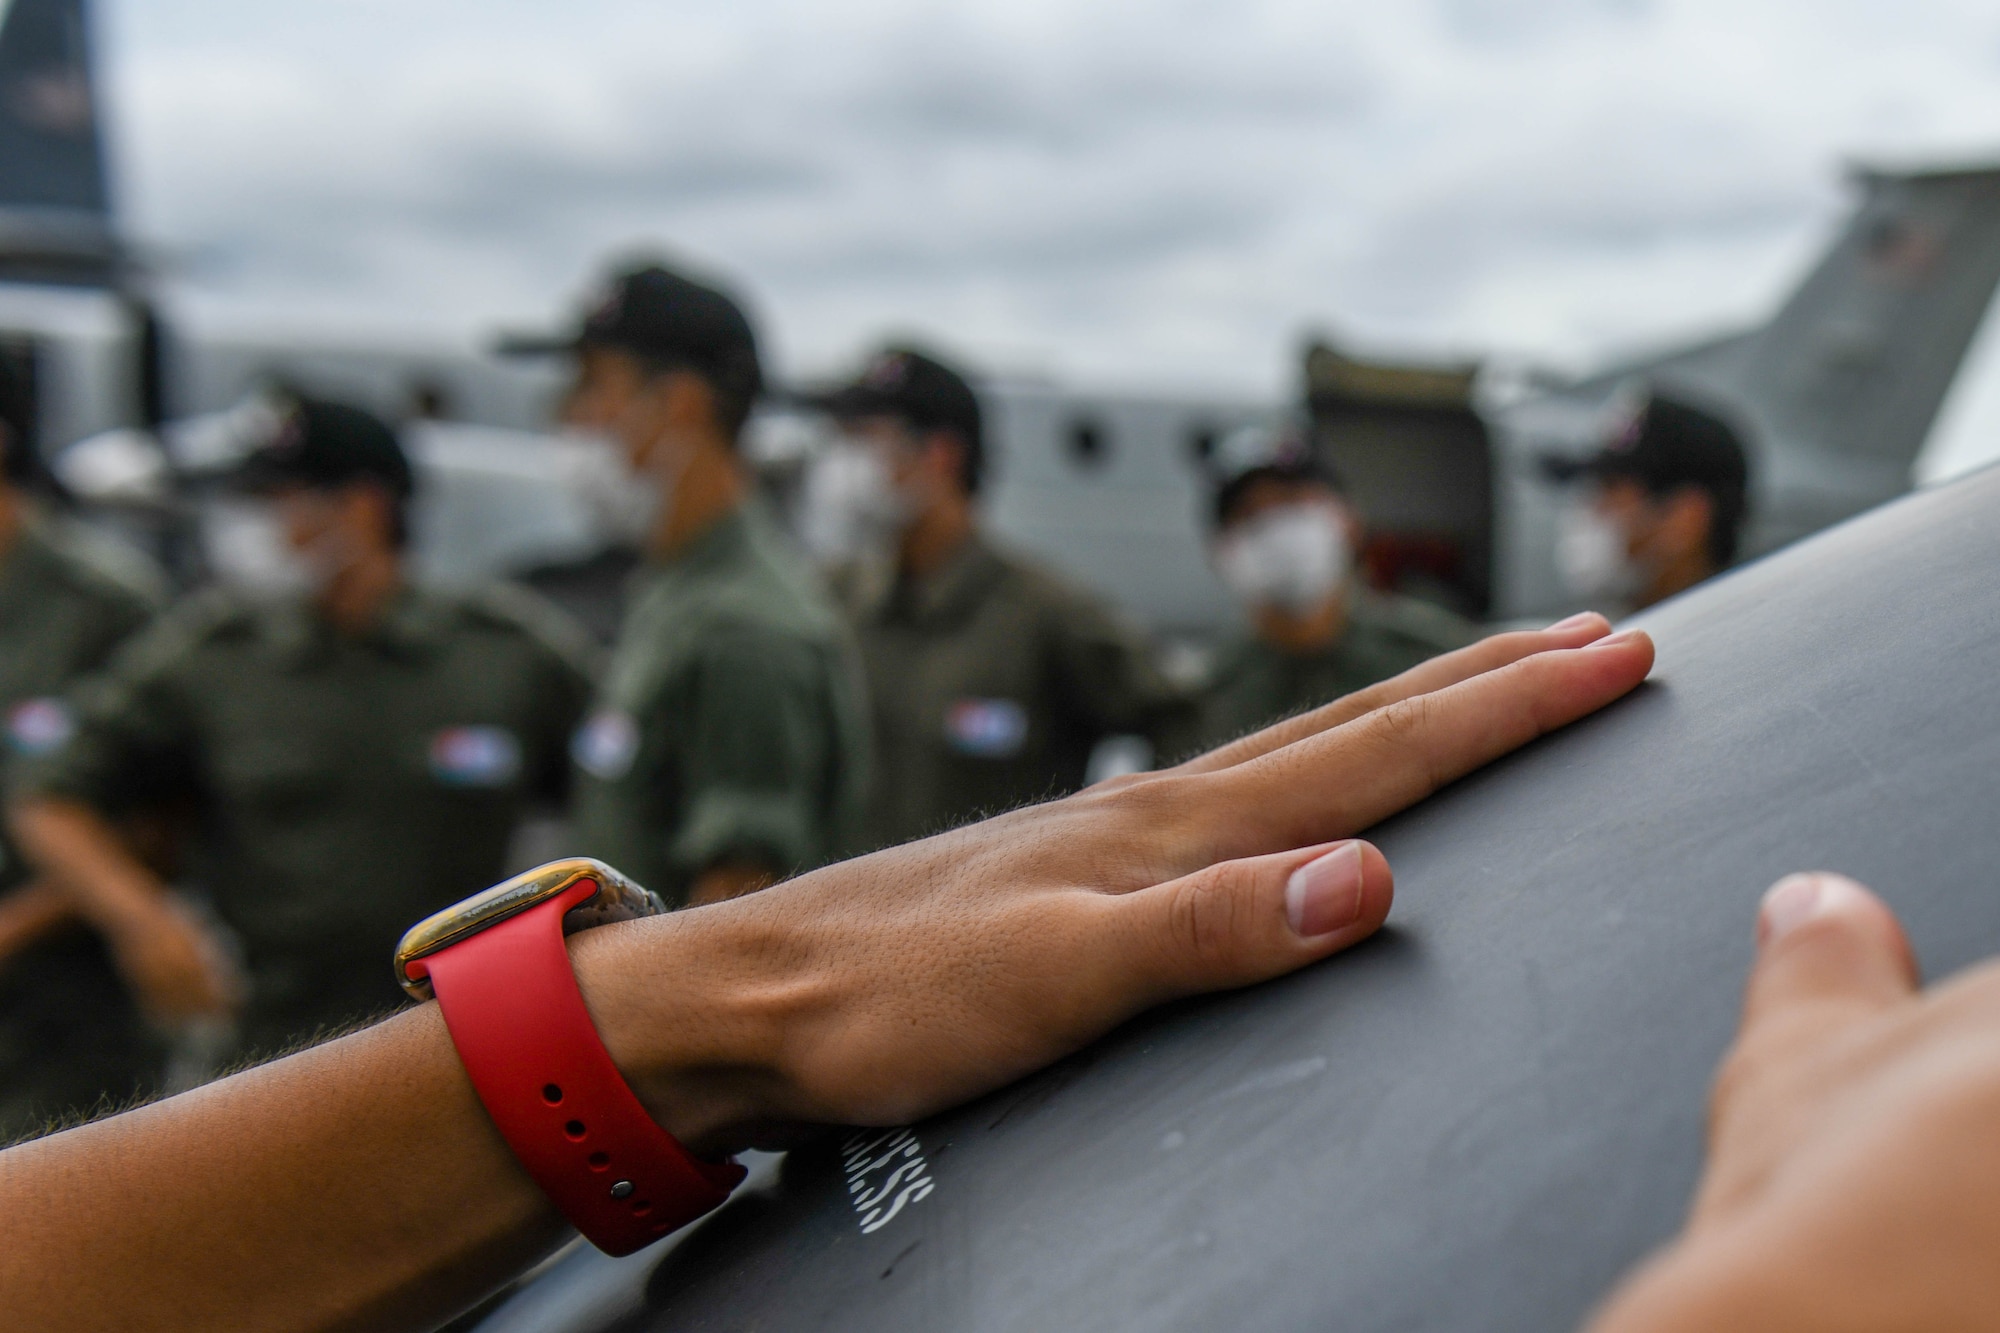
(615, 898)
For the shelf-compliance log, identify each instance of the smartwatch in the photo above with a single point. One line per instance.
(501, 974)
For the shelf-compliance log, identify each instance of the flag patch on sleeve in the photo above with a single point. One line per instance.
(479, 756)
(986, 728)
(606, 744)
(39, 726)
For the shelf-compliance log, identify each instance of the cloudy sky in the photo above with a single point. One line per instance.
(1164, 194)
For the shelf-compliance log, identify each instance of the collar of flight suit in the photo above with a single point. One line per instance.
(950, 590)
(721, 546)
(412, 627)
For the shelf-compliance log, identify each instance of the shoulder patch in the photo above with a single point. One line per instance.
(40, 726)
(475, 756)
(986, 728)
(606, 744)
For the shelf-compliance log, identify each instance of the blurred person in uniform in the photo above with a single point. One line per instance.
(71, 1035)
(992, 678)
(358, 749)
(728, 747)
(1657, 510)
(1285, 543)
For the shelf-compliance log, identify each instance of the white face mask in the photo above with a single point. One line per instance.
(245, 543)
(849, 505)
(1591, 555)
(1292, 557)
(626, 501)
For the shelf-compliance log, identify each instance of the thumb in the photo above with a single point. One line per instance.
(1830, 958)
(1828, 952)
(1239, 922)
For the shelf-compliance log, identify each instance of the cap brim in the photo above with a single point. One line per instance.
(1568, 467)
(536, 344)
(847, 401)
(258, 475)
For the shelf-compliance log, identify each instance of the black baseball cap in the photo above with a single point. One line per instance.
(323, 446)
(663, 317)
(1265, 452)
(904, 383)
(1665, 445)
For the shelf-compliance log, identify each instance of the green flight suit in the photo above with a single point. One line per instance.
(70, 1034)
(346, 786)
(732, 725)
(1255, 684)
(992, 682)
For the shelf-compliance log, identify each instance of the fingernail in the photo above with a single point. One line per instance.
(1577, 621)
(1788, 903)
(1324, 895)
(1618, 640)
(1797, 899)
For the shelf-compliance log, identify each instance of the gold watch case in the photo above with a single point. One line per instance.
(617, 899)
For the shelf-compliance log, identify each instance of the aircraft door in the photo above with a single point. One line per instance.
(1417, 462)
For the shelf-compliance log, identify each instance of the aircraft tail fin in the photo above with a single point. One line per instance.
(1843, 384)
(55, 204)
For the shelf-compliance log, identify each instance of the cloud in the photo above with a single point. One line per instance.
(1166, 193)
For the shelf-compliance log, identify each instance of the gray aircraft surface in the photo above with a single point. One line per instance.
(1482, 1117)
(1838, 391)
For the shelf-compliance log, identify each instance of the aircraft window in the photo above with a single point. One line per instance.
(1089, 445)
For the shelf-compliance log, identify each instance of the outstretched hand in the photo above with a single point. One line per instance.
(1853, 1177)
(885, 988)
(871, 992)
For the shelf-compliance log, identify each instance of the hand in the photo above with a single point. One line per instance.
(879, 990)
(1853, 1177)
(176, 967)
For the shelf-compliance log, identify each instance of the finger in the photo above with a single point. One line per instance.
(1246, 921)
(1829, 953)
(1342, 781)
(1489, 654)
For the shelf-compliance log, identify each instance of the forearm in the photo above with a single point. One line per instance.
(77, 849)
(356, 1185)
(27, 914)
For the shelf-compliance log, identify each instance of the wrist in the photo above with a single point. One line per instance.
(686, 1028)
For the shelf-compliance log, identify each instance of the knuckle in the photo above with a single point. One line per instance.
(1404, 721)
(1165, 811)
(1205, 915)
(1403, 730)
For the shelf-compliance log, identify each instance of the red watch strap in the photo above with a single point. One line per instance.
(510, 999)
